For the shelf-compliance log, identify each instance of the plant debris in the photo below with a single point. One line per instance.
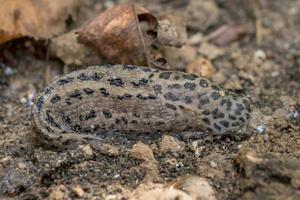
(124, 34)
(37, 19)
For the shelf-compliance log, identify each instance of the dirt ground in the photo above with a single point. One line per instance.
(262, 163)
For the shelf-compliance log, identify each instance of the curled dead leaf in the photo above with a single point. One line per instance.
(126, 34)
(38, 19)
(122, 34)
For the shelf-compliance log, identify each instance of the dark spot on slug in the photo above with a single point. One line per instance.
(190, 86)
(48, 90)
(118, 121)
(76, 94)
(157, 88)
(206, 121)
(174, 86)
(125, 121)
(76, 127)
(139, 96)
(95, 127)
(66, 119)
(227, 103)
(68, 101)
(150, 76)
(165, 75)
(136, 115)
(176, 77)
(216, 114)
(239, 108)
(215, 95)
(170, 96)
(204, 100)
(242, 119)
(107, 113)
(129, 67)
(65, 81)
(203, 83)
(247, 105)
(39, 103)
(104, 92)
(206, 112)
(96, 76)
(50, 120)
(116, 82)
(189, 76)
(55, 99)
(88, 91)
(170, 106)
(231, 117)
(83, 77)
(217, 127)
(146, 69)
(159, 123)
(90, 115)
(141, 82)
(235, 124)
(188, 99)
(224, 123)
(125, 96)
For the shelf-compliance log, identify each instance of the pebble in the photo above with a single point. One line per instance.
(260, 55)
(171, 144)
(142, 151)
(59, 192)
(197, 187)
(200, 67)
(109, 150)
(87, 150)
(165, 194)
(78, 191)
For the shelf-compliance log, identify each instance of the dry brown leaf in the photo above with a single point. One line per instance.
(122, 34)
(171, 31)
(34, 18)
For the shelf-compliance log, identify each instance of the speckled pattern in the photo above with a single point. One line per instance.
(132, 99)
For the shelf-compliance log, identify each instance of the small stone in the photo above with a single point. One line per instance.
(165, 194)
(109, 150)
(78, 191)
(171, 144)
(87, 150)
(200, 67)
(142, 151)
(59, 192)
(260, 55)
(195, 186)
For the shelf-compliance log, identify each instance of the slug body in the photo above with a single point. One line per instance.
(132, 99)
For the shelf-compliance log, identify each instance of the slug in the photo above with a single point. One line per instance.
(130, 99)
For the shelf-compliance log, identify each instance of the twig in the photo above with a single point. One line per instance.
(141, 36)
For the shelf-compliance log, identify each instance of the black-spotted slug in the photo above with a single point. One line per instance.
(126, 98)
